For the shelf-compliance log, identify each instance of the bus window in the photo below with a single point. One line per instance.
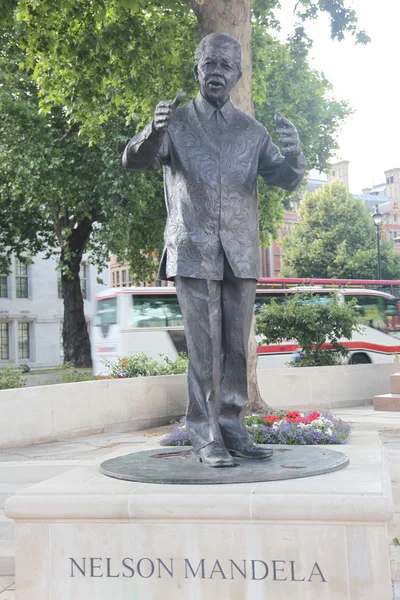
(385, 288)
(106, 312)
(173, 313)
(280, 298)
(372, 310)
(262, 299)
(156, 311)
(396, 291)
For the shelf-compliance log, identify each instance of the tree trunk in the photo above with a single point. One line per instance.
(234, 17)
(75, 333)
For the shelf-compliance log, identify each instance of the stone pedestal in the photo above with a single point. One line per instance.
(390, 402)
(84, 536)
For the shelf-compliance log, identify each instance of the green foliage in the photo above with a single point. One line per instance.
(81, 77)
(68, 374)
(141, 365)
(89, 75)
(71, 101)
(284, 81)
(107, 59)
(336, 238)
(342, 19)
(10, 378)
(312, 321)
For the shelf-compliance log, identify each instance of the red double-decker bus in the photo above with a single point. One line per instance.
(149, 320)
(389, 286)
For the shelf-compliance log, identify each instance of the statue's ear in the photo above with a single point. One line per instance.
(196, 73)
(239, 74)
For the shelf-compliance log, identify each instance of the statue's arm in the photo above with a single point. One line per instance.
(147, 150)
(286, 171)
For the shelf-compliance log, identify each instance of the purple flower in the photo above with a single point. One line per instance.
(283, 432)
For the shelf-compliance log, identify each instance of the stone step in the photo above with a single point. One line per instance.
(394, 463)
(7, 531)
(394, 528)
(7, 557)
(30, 472)
(394, 553)
(9, 489)
(396, 496)
(395, 383)
(394, 467)
(389, 402)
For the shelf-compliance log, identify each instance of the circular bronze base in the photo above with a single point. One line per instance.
(182, 466)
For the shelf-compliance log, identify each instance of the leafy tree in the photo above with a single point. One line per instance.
(91, 73)
(101, 61)
(96, 58)
(62, 196)
(336, 238)
(312, 322)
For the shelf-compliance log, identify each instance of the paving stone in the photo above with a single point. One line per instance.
(8, 595)
(6, 582)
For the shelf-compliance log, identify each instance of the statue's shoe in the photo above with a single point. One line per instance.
(215, 455)
(251, 451)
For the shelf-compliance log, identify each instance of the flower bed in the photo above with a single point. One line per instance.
(281, 428)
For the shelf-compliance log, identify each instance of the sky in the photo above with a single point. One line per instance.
(368, 77)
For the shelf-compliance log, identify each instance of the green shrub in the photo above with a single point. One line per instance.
(312, 321)
(68, 374)
(141, 365)
(10, 379)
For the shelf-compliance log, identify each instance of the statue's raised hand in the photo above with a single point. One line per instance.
(288, 136)
(164, 110)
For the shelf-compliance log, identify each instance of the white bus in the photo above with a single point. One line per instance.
(148, 319)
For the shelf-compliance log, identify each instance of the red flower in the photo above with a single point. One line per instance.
(313, 416)
(272, 419)
(293, 414)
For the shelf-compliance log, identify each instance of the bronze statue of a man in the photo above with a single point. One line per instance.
(211, 154)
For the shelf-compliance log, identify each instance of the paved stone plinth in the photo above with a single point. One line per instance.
(390, 402)
(85, 536)
(182, 466)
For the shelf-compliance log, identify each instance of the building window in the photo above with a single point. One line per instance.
(83, 279)
(113, 279)
(21, 279)
(23, 340)
(117, 274)
(4, 345)
(123, 277)
(3, 286)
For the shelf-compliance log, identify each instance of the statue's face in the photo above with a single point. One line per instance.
(217, 71)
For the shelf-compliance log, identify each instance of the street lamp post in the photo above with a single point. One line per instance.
(377, 218)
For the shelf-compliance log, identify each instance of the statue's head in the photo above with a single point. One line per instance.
(218, 66)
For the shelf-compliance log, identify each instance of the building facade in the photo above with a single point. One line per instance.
(386, 196)
(121, 275)
(31, 311)
(340, 172)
